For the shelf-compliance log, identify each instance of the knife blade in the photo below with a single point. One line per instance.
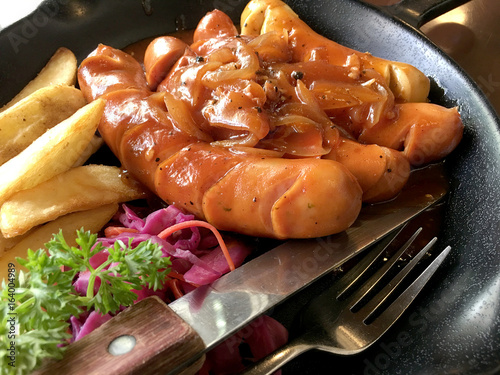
(151, 337)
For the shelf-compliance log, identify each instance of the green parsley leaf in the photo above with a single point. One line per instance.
(35, 308)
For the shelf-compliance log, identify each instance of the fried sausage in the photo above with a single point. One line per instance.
(160, 55)
(280, 134)
(262, 16)
(425, 132)
(402, 119)
(250, 194)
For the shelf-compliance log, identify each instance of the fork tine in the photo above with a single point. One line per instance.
(351, 278)
(372, 282)
(397, 307)
(371, 307)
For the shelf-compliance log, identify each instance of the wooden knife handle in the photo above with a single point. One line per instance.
(163, 341)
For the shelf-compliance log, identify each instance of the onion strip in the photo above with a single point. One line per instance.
(182, 118)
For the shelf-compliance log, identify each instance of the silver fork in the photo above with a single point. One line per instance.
(348, 318)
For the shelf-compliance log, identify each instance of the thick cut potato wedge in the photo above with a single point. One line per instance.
(77, 189)
(27, 120)
(59, 70)
(54, 152)
(91, 220)
(95, 144)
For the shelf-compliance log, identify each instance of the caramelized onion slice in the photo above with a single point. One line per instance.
(244, 67)
(248, 140)
(272, 47)
(182, 118)
(308, 142)
(255, 151)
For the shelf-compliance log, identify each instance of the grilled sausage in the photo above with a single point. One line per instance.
(280, 134)
(251, 194)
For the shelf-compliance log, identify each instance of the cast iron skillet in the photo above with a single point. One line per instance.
(454, 327)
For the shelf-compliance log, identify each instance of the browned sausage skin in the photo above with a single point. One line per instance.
(425, 132)
(109, 69)
(160, 55)
(261, 196)
(255, 134)
(381, 171)
(251, 194)
(215, 24)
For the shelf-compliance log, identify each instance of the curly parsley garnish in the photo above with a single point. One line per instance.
(35, 307)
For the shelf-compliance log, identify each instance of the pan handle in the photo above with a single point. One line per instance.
(418, 12)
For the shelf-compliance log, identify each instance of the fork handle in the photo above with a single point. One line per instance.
(278, 358)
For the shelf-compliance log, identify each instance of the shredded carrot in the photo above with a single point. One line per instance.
(176, 275)
(198, 223)
(180, 277)
(115, 231)
(175, 288)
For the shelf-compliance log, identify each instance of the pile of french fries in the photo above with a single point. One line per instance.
(47, 133)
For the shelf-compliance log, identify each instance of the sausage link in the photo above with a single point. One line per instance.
(425, 132)
(261, 16)
(255, 195)
(285, 198)
(381, 172)
(213, 25)
(109, 69)
(161, 55)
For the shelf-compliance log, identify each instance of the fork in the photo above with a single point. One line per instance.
(353, 313)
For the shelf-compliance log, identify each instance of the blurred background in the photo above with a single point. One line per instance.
(470, 34)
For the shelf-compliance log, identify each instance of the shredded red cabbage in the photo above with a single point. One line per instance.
(196, 260)
(262, 336)
(86, 324)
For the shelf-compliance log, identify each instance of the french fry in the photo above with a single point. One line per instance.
(77, 189)
(60, 69)
(28, 119)
(92, 220)
(52, 153)
(95, 143)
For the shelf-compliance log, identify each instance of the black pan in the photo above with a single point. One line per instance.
(454, 328)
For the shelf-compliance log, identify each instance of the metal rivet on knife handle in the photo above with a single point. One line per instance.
(121, 345)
